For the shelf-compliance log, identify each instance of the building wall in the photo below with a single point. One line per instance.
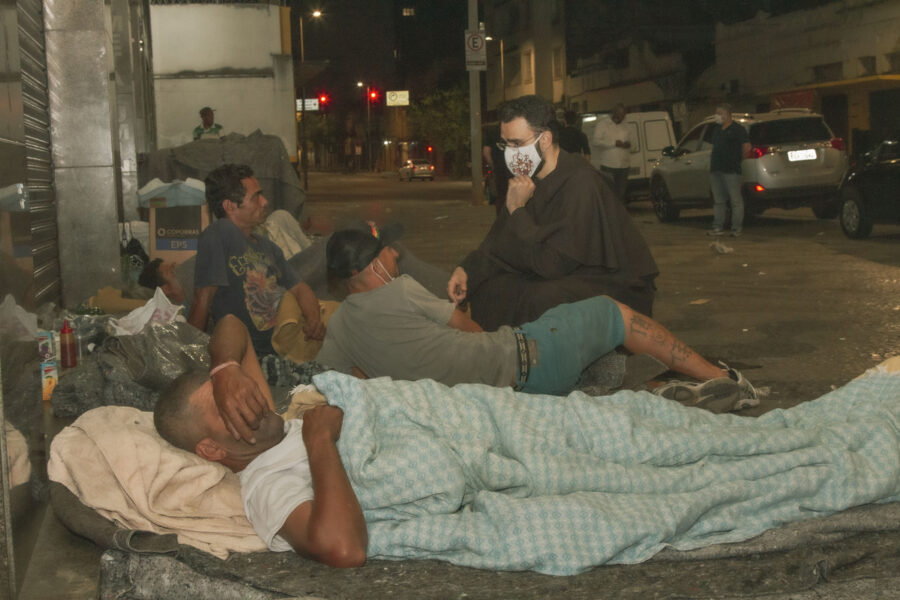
(644, 80)
(229, 57)
(841, 40)
(842, 51)
(527, 62)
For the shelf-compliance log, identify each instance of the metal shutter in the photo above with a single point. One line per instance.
(44, 239)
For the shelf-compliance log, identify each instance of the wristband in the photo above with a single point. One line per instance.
(218, 368)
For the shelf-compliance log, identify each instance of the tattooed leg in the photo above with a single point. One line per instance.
(643, 335)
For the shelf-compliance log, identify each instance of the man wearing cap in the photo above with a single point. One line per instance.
(389, 325)
(208, 127)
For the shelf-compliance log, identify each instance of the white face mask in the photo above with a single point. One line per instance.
(386, 272)
(718, 119)
(524, 160)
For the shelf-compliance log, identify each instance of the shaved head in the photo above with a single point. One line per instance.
(175, 417)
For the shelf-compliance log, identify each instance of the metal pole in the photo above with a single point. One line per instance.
(304, 163)
(369, 127)
(502, 74)
(475, 115)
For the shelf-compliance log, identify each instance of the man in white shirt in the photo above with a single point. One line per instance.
(613, 138)
(295, 490)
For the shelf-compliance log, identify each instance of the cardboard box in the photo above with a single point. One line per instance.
(174, 231)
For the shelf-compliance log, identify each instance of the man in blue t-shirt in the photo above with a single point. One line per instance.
(242, 273)
(730, 146)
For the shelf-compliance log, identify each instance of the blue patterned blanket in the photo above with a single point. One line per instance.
(489, 478)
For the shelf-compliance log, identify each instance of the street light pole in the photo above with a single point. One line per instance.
(369, 126)
(360, 84)
(304, 161)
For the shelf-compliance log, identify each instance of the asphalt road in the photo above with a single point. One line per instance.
(794, 304)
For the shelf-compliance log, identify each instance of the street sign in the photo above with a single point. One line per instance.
(476, 51)
(312, 104)
(397, 98)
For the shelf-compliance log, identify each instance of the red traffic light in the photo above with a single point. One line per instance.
(430, 149)
(324, 99)
(373, 95)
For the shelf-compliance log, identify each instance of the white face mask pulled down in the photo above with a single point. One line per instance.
(386, 272)
(524, 160)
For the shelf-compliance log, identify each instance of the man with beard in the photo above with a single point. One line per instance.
(562, 237)
(240, 272)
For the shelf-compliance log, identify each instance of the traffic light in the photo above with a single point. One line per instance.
(324, 99)
(430, 149)
(374, 96)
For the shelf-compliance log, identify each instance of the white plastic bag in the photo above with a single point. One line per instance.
(157, 310)
(16, 323)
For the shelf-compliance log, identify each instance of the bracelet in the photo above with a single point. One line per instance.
(218, 368)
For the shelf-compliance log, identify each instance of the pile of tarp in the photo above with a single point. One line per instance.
(265, 154)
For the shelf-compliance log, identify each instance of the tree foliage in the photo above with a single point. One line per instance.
(442, 119)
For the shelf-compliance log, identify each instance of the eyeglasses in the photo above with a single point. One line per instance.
(516, 144)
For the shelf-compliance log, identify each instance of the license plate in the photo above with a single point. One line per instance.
(797, 155)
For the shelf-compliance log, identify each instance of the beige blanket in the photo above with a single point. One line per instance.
(17, 453)
(113, 460)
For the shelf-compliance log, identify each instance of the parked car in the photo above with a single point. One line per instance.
(652, 131)
(795, 161)
(416, 168)
(871, 192)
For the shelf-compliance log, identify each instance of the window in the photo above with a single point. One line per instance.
(527, 73)
(894, 61)
(525, 15)
(788, 131)
(557, 63)
(867, 66)
(829, 72)
(708, 135)
(888, 151)
(691, 141)
(409, 12)
(656, 133)
(555, 11)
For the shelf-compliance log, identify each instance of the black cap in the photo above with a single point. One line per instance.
(206, 108)
(352, 250)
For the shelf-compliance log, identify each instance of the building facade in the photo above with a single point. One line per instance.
(841, 59)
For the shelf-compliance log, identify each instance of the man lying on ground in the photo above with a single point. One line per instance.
(390, 325)
(298, 475)
(421, 470)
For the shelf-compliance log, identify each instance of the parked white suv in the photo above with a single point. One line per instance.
(795, 161)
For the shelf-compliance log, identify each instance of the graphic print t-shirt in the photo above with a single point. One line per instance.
(252, 277)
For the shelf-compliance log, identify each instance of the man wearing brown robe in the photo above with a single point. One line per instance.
(562, 237)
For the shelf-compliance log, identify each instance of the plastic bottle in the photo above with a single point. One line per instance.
(68, 351)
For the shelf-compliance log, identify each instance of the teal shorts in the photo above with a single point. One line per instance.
(569, 338)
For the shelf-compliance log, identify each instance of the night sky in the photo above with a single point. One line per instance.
(370, 40)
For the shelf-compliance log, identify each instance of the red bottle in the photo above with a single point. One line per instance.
(67, 349)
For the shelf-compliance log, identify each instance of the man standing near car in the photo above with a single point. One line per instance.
(613, 139)
(730, 146)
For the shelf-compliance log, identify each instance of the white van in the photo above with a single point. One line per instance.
(652, 132)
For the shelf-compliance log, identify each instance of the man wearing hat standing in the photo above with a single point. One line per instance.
(208, 128)
(389, 325)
